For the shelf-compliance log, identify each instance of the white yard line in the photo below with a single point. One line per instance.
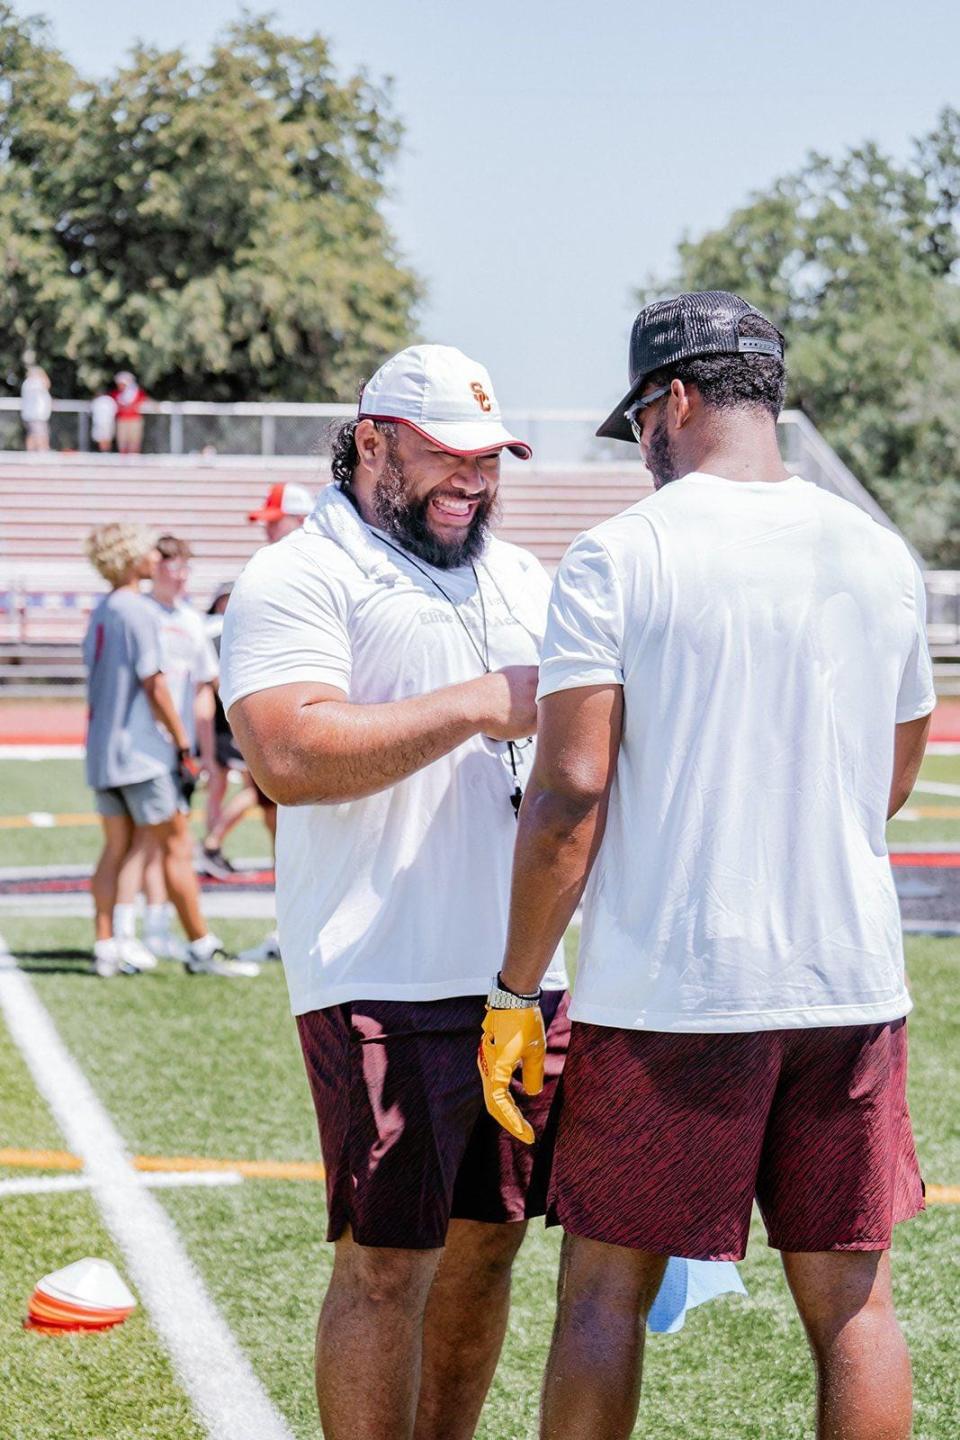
(41, 752)
(935, 787)
(217, 1376)
(162, 1180)
(225, 904)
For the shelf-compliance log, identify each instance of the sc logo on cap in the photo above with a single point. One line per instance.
(481, 396)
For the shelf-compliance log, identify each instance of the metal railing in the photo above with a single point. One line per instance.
(193, 427)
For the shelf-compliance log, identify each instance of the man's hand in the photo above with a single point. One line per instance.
(511, 1038)
(509, 700)
(188, 774)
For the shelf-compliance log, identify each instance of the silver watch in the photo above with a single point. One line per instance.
(500, 999)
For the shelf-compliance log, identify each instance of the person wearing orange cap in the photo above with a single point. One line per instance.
(282, 512)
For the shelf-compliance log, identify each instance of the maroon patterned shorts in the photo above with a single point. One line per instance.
(665, 1139)
(406, 1142)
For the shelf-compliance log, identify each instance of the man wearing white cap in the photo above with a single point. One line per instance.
(284, 510)
(379, 670)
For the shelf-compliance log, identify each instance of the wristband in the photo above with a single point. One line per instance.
(502, 998)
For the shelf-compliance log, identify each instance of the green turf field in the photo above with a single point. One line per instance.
(192, 1067)
(56, 787)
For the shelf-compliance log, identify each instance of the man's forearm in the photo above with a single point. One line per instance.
(341, 751)
(910, 739)
(557, 842)
(164, 710)
(203, 719)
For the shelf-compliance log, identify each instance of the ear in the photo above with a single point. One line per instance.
(371, 445)
(682, 405)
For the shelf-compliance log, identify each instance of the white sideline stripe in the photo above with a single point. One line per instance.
(936, 787)
(217, 1376)
(41, 752)
(161, 1180)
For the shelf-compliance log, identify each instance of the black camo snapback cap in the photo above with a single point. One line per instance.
(702, 322)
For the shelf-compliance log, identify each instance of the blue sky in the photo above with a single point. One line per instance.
(556, 152)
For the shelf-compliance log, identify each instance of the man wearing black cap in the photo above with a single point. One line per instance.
(734, 694)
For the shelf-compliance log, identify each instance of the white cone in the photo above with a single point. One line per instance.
(94, 1283)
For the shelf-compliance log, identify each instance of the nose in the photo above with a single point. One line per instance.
(469, 477)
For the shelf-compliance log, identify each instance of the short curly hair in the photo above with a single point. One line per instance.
(112, 549)
(731, 381)
(343, 447)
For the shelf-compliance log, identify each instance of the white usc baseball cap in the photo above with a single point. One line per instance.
(440, 393)
(283, 500)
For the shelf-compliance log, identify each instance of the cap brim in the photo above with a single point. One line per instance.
(616, 426)
(464, 437)
(264, 515)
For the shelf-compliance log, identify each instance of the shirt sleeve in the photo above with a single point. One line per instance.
(143, 631)
(284, 624)
(208, 666)
(916, 696)
(583, 644)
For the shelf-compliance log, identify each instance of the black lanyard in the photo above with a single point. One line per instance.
(483, 655)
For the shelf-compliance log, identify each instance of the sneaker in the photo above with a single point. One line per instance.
(165, 946)
(215, 864)
(108, 960)
(208, 957)
(134, 953)
(268, 949)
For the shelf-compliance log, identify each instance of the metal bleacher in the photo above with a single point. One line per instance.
(49, 504)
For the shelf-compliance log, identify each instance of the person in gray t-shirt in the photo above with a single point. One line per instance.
(129, 755)
(121, 650)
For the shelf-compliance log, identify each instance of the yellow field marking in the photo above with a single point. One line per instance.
(927, 812)
(40, 1159)
(263, 1169)
(40, 820)
(943, 1194)
(251, 1169)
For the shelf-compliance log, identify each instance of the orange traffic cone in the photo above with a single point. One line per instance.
(87, 1295)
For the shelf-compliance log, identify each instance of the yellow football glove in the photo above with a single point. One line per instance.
(511, 1038)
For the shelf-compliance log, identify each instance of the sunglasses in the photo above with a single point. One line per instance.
(634, 416)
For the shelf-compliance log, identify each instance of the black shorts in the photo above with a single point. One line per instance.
(406, 1141)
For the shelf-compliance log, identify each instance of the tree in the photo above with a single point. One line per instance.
(215, 227)
(855, 259)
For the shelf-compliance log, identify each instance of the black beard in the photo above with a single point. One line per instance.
(406, 521)
(661, 461)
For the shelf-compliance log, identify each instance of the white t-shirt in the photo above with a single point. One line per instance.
(768, 637)
(36, 406)
(103, 417)
(189, 660)
(403, 895)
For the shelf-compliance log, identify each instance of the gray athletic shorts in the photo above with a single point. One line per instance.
(148, 802)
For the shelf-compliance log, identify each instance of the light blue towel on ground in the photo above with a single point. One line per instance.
(688, 1283)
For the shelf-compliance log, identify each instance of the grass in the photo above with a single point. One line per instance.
(114, 1386)
(192, 1066)
(58, 787)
